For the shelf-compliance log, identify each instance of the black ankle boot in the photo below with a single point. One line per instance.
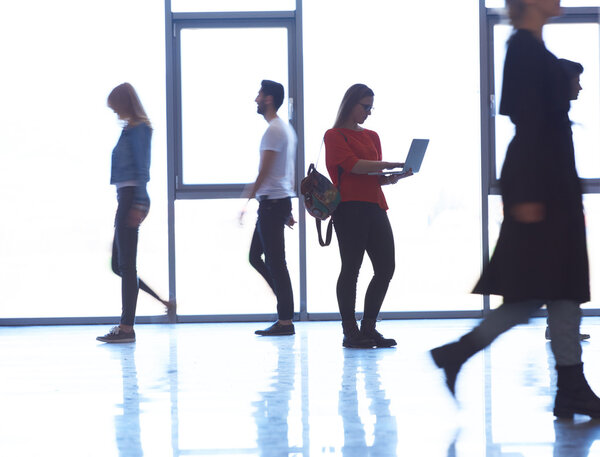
(353, 338)
(451, 357)
(367, 328)
(574, 395)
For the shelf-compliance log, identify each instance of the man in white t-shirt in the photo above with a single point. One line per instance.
(274, 188)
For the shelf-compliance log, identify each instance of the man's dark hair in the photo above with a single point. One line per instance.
(274, 89)
(572, 69)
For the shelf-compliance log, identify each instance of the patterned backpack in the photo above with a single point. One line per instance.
(321, 198)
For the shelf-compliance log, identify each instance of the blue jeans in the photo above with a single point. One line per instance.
(268, 239)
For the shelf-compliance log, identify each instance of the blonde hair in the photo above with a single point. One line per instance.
(351, 98)
(516, 9)
(124, 101)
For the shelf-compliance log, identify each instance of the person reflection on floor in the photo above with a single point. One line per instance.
(365, 365)
(272, 410)
(575, 439)
(127, 425)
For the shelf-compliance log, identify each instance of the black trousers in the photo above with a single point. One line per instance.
(564, 319)
(269, 239)
(124, 257)
(363, 227)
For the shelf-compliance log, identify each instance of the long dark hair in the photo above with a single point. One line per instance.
(350, 100)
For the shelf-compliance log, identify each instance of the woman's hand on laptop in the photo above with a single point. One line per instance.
(393, 179)
(391, 165)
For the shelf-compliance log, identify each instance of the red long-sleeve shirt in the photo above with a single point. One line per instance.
(360, 144)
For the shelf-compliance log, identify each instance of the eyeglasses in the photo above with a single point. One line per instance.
(367, 108)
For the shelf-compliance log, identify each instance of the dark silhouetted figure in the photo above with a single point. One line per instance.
(541, 254)
(573, 71)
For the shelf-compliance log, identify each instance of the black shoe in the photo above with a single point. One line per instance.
(353, 338)
(367, 328)
(444, 359)
(574, 395)
(277, 329)
(117, 335)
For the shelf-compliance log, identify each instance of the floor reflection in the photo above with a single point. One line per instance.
(173, 376)
(272, 410)
(361, 374)
(216, 390)
(575, 439)
(127, 424)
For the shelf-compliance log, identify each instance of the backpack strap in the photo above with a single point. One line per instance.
(329, 230)
(328, 233)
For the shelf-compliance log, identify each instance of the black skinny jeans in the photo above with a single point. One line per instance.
(124, 257)
(363, 227)
(269, 239)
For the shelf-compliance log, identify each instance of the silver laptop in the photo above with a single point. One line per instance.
(413, 161)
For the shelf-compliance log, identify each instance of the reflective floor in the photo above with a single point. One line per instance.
(219, 390)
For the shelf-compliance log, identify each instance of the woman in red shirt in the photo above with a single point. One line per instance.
(360, 221)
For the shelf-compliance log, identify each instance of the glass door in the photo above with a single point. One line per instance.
(220, 63)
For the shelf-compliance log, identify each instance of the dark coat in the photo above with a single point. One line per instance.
(546, 260)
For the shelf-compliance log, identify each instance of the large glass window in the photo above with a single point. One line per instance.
(221, 130)
(57, 138)
(424, 68)
(577, 42)
(213, 272)
(425, 87)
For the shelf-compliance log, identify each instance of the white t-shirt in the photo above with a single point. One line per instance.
(280, 138)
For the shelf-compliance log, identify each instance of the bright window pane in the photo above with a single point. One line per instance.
(577, 42)
(591, 203)
(221, 128)
(436, 214)
(213, 272)
(202, 6)
(55, 242)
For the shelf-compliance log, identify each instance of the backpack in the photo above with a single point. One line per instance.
(321, 198)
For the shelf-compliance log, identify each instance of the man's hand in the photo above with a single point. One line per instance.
(290, 222)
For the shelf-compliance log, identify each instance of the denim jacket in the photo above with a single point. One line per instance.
(131, 161)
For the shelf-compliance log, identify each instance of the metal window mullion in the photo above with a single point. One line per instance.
(487, 149)
(234, 16)
(171, 150)
(299, 118)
